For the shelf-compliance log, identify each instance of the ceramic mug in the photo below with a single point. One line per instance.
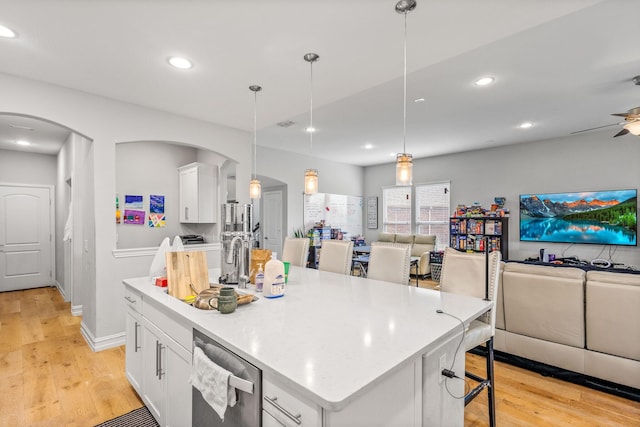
(226, 301)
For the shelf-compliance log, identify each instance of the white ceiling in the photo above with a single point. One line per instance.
(565, 65)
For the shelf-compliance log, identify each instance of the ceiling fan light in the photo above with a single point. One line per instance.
(633, 127)
(310, 181)
(404, 169)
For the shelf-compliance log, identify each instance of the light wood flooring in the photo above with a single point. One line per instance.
(50, 377)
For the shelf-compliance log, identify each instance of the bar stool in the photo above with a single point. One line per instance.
(477, 275)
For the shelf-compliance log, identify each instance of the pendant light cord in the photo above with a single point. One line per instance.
(311, 129)
(404, 115)
(255, 131)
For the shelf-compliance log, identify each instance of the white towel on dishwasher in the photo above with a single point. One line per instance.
(213, 382)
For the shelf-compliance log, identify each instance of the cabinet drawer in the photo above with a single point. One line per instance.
(288, 409)
(173, 326)
(133, 299)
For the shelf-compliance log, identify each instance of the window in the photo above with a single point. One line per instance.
(396, 209)
(432, 211)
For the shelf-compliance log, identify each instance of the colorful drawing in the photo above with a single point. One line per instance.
(134, 217)
(156, 203)
(156, 220)
(133, 202)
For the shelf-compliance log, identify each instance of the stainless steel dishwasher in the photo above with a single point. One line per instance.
(246, 378)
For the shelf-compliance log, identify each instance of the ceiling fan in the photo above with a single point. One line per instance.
(632, 119)
(631, 123)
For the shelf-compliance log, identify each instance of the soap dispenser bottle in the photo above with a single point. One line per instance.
(259, 278)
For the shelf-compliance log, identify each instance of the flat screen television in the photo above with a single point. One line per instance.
(598, 217)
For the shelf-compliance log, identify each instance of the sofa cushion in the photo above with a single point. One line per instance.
(422, 244)
(386, 237)
(545, 302)
(405, 238)
(613, 314)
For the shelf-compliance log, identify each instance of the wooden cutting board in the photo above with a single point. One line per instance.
(187, 273)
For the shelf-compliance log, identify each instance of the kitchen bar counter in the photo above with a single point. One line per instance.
(331, 337)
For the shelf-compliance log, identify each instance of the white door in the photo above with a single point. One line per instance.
(272, 221)
(26, 244)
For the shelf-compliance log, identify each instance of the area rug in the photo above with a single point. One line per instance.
(140, 417)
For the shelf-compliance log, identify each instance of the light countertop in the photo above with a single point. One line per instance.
(331, 337)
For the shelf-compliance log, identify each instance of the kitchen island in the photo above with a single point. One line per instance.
(354, 351)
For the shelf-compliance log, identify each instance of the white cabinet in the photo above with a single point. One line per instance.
(282, 408)
(133, 357)
(158, 362)
(198, 193)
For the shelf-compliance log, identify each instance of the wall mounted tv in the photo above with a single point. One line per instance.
(598, 217)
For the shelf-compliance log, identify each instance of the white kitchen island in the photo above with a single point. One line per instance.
(341, 350)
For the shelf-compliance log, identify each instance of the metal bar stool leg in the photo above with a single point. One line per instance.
(491, 394)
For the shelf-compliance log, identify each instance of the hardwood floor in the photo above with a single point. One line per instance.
(50, 377)
(48, 374)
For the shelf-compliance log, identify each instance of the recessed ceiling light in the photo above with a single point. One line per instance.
(418, 100)
(483, 81)
(7, 32)
(526, 125)
(23, 142)
(393, 154)
(181, 63)
(310, 129)
(367, 146)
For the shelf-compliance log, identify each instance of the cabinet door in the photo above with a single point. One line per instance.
(178, 369)
(133, 350)
(153, 376)
(189, 195)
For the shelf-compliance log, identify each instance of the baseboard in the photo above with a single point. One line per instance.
(565, 375)
(76, 310)
(102, 343)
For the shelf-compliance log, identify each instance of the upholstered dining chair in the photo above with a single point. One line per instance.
(466, 273)
(336, 256)
(389, 262)
(296, 251)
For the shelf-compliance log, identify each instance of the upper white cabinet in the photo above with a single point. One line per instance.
(198, 193)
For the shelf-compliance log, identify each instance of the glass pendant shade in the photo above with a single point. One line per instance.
(404, 169)
(310, 181)
(633, 127)
(255, 189)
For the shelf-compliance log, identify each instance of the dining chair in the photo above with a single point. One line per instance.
(389, 262)
(296, 251)
(336, 256)
(478, 275)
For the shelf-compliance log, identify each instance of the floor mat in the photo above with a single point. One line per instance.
(140, 417)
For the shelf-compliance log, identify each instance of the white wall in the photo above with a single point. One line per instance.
(19, 167)
(333, 177)
(144, 168)
(63, 197)
(107, 122)
(587, 162)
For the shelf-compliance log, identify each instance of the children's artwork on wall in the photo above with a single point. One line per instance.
(133, 202)
(156, 211)
(132, 216)
(133, 210)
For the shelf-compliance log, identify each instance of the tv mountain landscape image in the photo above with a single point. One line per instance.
(599, 217)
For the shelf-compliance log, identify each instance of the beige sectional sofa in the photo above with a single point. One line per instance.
(582, 321)
(421, 245)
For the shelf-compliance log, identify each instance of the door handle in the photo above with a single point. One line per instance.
(160, 371)
(157, 358)
(274, 401)
(136, 347)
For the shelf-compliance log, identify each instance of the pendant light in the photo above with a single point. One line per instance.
(404, 161)
(255, 189)
(311, 175)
